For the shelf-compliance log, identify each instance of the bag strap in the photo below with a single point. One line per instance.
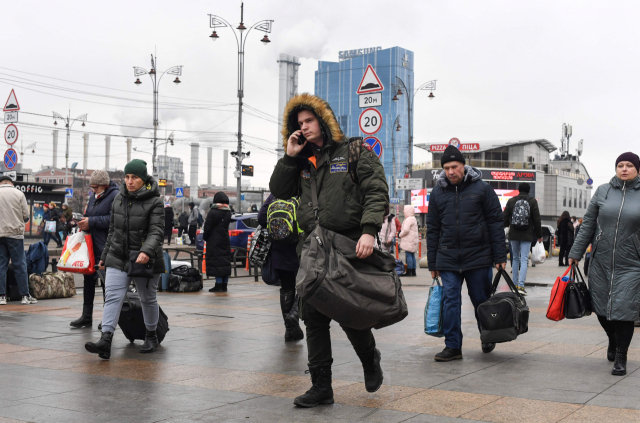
(509, 282)
(314, 197)
(575, 270)
(436, 281)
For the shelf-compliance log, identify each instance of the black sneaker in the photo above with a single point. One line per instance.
(487, 347)
(448, 354)
(373, 375)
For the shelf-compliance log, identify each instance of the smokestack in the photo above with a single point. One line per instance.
(193, 181)
(55, 149)
(209, 164)
(128, 150)
(85, 156)
(225, 161)
(287, 89)
(107, 144)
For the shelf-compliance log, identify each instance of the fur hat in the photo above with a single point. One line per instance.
(99, 177)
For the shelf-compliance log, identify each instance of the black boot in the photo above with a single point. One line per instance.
(620, 365)
(413, 272)
(102, 347)
(150, 342)
(293, 331)
(320, 392)
(219, 287)
(449, 354)
(373, 375)
(86, 320)
(611, 349)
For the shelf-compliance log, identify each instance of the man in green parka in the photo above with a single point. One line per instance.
(316, 146)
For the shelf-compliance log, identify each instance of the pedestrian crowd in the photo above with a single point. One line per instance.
(331, 182)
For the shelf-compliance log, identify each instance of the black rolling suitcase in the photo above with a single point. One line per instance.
(131, 320)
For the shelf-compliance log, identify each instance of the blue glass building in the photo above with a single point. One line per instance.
(337, 83)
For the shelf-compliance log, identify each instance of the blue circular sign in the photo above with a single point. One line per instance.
(10, 158)
(589, 181)
(375, 144)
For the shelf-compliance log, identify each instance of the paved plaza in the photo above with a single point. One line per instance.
(225, 359)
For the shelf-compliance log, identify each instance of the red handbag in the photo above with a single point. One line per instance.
(555, 310)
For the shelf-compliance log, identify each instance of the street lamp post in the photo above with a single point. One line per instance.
(69, 123)
(155, 81)
(395, 127)
(264, 26)
(430, 85)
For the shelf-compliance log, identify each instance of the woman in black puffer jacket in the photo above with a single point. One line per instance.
(216, 235)
(565, 238)
(137, 224)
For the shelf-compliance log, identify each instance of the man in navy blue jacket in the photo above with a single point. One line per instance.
(465, 240)
(96, 220)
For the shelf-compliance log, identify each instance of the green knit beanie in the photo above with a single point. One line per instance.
(137, 167)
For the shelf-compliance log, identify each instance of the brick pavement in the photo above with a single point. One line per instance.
(224, 359)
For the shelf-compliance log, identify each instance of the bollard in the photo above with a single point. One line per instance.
(420, 246)
(204, 259)
(248, 247)
(397, 254)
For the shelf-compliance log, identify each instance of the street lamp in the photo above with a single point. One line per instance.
(155, 81)
(69, 123)
(242, 34)
(395, 127)
(402, 89)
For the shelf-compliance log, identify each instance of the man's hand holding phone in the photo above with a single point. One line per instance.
(296, 143)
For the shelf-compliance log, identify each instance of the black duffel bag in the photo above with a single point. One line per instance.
(185, 279)
(577, 299)
(505, 315)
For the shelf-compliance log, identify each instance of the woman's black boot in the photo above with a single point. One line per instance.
(86, 320)
(102, 347)
(293, 331)
(150, 342)
(320, 392)
(219, 287)
(620, 365)
(611, 349)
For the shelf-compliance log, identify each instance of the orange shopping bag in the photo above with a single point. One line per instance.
(555, 310)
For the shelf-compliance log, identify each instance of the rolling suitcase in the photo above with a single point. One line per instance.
(131, 321)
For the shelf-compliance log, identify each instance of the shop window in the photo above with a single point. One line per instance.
(575, 198)
(564, 197)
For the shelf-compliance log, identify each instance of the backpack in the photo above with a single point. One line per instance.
(37, 258)
(260, 245)
(521, 214)
(282, 220)
(185, 279)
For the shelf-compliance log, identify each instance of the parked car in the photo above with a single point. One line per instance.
(240, 227)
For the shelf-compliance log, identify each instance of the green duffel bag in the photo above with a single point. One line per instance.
(51, 285)
(357, 293)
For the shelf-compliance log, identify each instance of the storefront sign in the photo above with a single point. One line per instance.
(439, 148)
(508, 175)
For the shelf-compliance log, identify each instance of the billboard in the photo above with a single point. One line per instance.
(420, 198)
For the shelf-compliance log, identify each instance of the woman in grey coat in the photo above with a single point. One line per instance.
(612, 225)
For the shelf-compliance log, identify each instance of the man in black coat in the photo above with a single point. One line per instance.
(464, 240)
(183, 223)
(168, 222)
(522, 217)
(96, 220)
(216, 235)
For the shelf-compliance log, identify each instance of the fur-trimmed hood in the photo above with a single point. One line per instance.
(305, 101)
(471, 174)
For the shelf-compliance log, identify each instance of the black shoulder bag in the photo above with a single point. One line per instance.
(136, 270)
(577, 299)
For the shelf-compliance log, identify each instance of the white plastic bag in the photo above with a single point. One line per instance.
(77, 254)
(538, 254)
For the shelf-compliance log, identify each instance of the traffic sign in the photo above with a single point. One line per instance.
(179, 192)
(455, 142)
(10, 158)
(394, 200)
(589, 181)
(370, 121)
(10, 117)
(12, 103)
(68, 193)
(408, 183)
(370, 82)
(370, 100)
(375, 144)
(11, 134)
(167, 198)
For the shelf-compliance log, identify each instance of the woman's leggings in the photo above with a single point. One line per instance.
(116, 285)
(621, 328)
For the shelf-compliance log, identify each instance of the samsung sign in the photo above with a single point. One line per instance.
(349, 54)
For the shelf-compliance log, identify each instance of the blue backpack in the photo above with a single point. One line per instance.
(37, 258)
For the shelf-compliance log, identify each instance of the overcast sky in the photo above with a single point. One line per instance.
(506, 70)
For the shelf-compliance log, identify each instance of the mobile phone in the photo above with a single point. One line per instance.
(301, 139)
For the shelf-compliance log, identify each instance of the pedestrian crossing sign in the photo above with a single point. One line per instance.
(68, 193)
(179, 192)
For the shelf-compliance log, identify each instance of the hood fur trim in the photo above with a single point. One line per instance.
(320, 107)
(470, 174)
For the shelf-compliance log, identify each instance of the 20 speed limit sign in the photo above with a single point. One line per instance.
(11, 134)
(370, 121)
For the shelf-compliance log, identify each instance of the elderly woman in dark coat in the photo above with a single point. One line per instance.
(612, 225)
(216, 235)
(284, 261)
